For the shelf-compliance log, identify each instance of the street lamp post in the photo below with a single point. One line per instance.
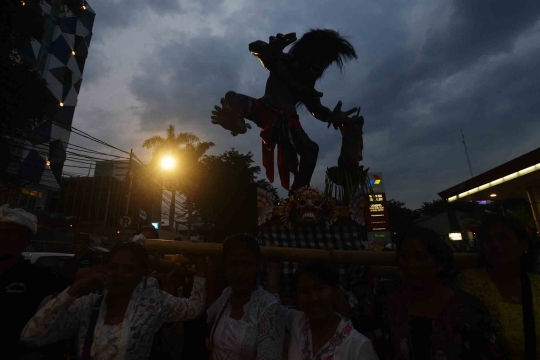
(168, 163)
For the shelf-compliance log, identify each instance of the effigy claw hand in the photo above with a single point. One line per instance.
(339, 116)
(280, 41)
(228, 119)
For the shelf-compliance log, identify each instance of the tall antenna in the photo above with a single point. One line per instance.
(467, 153)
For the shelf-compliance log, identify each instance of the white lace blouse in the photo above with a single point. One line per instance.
(346, 344)
(257, 335)
(65, 317)
(107, 344)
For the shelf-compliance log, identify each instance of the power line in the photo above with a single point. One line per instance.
(69, 156)
(77, 147)
(88, 136)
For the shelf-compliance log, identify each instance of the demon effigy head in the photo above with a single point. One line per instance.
(308, 206)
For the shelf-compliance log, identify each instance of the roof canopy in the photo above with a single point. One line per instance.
(509, 180)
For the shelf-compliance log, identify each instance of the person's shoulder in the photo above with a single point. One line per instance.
(222, 299)
(464, 307)
(471, 273)
(360, 346)
(266, 302)
(358, 338)
(266, 298)
(535, 279)
(225, 293)
(465, 300)
(150, 283)
(535, 282)
(469, 277)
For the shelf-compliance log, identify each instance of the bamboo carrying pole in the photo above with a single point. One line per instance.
(274, 253)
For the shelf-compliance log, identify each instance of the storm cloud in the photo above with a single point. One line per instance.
(425, 70)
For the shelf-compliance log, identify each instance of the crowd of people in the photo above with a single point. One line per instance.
(118, 309)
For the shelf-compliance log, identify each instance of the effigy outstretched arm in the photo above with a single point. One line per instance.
(324, 114)
(244, 106)
(234, 109)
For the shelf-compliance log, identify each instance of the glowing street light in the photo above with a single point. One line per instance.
(168, 163)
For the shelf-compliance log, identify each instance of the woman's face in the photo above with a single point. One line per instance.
(315, 297)
(124, 272)
(502, 246)
(241, 268)
(419, 268)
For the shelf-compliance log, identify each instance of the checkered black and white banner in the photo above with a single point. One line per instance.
(337, 237)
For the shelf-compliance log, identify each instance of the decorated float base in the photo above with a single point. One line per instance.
(343, 236)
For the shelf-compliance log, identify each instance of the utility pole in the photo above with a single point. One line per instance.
(130, 175)
(466, 152)
(82, 203)
(172, 208)
(109, 185)
(190, 209)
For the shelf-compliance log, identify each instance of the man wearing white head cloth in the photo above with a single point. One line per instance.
(22, 286)
(17, 229)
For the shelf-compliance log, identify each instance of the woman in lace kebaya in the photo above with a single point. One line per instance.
(121, 323)
(246, 322)
(318, 332)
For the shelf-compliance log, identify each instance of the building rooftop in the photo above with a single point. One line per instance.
(506, 181)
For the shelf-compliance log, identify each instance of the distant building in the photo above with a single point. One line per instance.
(60, 58)
(516, 179)
(100, 202)
(453, 226)
(117, 169)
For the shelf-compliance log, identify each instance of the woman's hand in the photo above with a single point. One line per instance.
(90, 282)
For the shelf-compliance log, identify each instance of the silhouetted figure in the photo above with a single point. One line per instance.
(422, 317)
(22, 286)
(505, 284)
(121, 323)
(84, 257)
(245, 321)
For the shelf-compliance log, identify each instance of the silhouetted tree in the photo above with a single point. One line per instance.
(187, 149)
(226, 181)
(399, 216)
(266, 185)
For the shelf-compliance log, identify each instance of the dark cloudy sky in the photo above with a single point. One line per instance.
(425, 69)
